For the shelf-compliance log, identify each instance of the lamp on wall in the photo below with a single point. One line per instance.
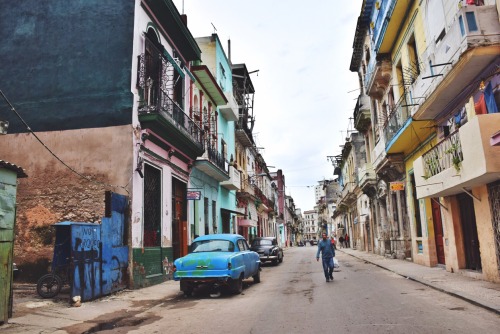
(144, 137)
(171, 153)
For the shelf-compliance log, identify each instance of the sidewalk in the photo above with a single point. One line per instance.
(481, 293)
(34, 315)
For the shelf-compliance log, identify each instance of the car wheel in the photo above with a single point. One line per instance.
(281, 258)
(188, 292)
(236, 285)
(256, 277)
(275, 262)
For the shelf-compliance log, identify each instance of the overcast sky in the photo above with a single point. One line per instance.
(304, 91)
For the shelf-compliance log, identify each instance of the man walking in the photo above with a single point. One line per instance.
(325, 247)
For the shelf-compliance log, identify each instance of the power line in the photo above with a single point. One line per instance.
(55, 156)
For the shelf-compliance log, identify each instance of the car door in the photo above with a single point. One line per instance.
(248, 258)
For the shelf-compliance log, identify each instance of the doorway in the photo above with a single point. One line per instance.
(469, 228)
(152, 208)
(438, 230)
(179, 218)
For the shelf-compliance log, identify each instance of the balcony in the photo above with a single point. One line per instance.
(388, 26)
(362, 114)
(230, 110)
(402, 133)
(464, 159)
(367, 179)
(378, 76)
(348, 196)
(234, 181)
(164, 116)
(397, 118)
(470, 48)
(243, 132)
(213, 164)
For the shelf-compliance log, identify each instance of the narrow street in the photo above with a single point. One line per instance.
(292, 298)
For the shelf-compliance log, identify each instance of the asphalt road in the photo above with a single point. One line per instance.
(293, 297)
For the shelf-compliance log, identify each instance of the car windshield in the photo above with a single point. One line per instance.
(262, 242)
(212, 246)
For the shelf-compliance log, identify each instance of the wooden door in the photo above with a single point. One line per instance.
(469, 227)
(438, 231)
(179, 218)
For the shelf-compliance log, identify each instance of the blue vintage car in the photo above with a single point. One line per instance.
(219, 261)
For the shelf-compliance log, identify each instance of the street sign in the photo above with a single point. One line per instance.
(193, 195)
(397, 186)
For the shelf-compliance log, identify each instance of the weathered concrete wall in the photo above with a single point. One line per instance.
(486, 235)
(54, 193)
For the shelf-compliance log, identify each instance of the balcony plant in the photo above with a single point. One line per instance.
(432, 166)
(454, 151)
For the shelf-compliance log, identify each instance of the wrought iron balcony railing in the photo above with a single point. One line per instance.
(156, 98)
(397, 118)
(444, 155)
(217, 159)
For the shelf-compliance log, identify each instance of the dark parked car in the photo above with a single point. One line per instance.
(268, 249)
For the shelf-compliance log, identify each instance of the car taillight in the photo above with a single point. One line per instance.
(229, 266)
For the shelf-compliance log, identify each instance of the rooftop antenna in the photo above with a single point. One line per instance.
(215, 29)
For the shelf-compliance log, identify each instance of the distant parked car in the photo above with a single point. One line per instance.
(219, 261)
(268, 249)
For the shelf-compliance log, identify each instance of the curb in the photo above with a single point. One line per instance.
(471, 301)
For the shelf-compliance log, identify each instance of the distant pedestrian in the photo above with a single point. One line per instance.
(334, 244)
(341, 241)
(325, 247)
(346, 239)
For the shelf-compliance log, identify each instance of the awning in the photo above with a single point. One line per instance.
(209, 83)
(174, 63)
(247, 223)
(412, 134)
(234, 212)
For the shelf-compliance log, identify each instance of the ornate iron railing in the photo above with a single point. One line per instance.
(399, 114)
(445, 154)
(216, 158)
(155, 96)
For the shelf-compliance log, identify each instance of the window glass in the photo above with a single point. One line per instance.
(461, 23)
(471, 21)
(212, 246)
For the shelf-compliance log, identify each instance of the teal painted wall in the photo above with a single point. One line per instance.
(67, 64)
(209, 188)
(227, 199)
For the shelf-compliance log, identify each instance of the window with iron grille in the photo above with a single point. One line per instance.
(152, 206)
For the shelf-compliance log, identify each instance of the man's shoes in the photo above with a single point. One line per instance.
(327, 280)
(331, 277)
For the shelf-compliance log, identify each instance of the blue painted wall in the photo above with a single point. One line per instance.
(67, 64)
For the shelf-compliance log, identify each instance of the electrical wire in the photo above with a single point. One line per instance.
(55, 156)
